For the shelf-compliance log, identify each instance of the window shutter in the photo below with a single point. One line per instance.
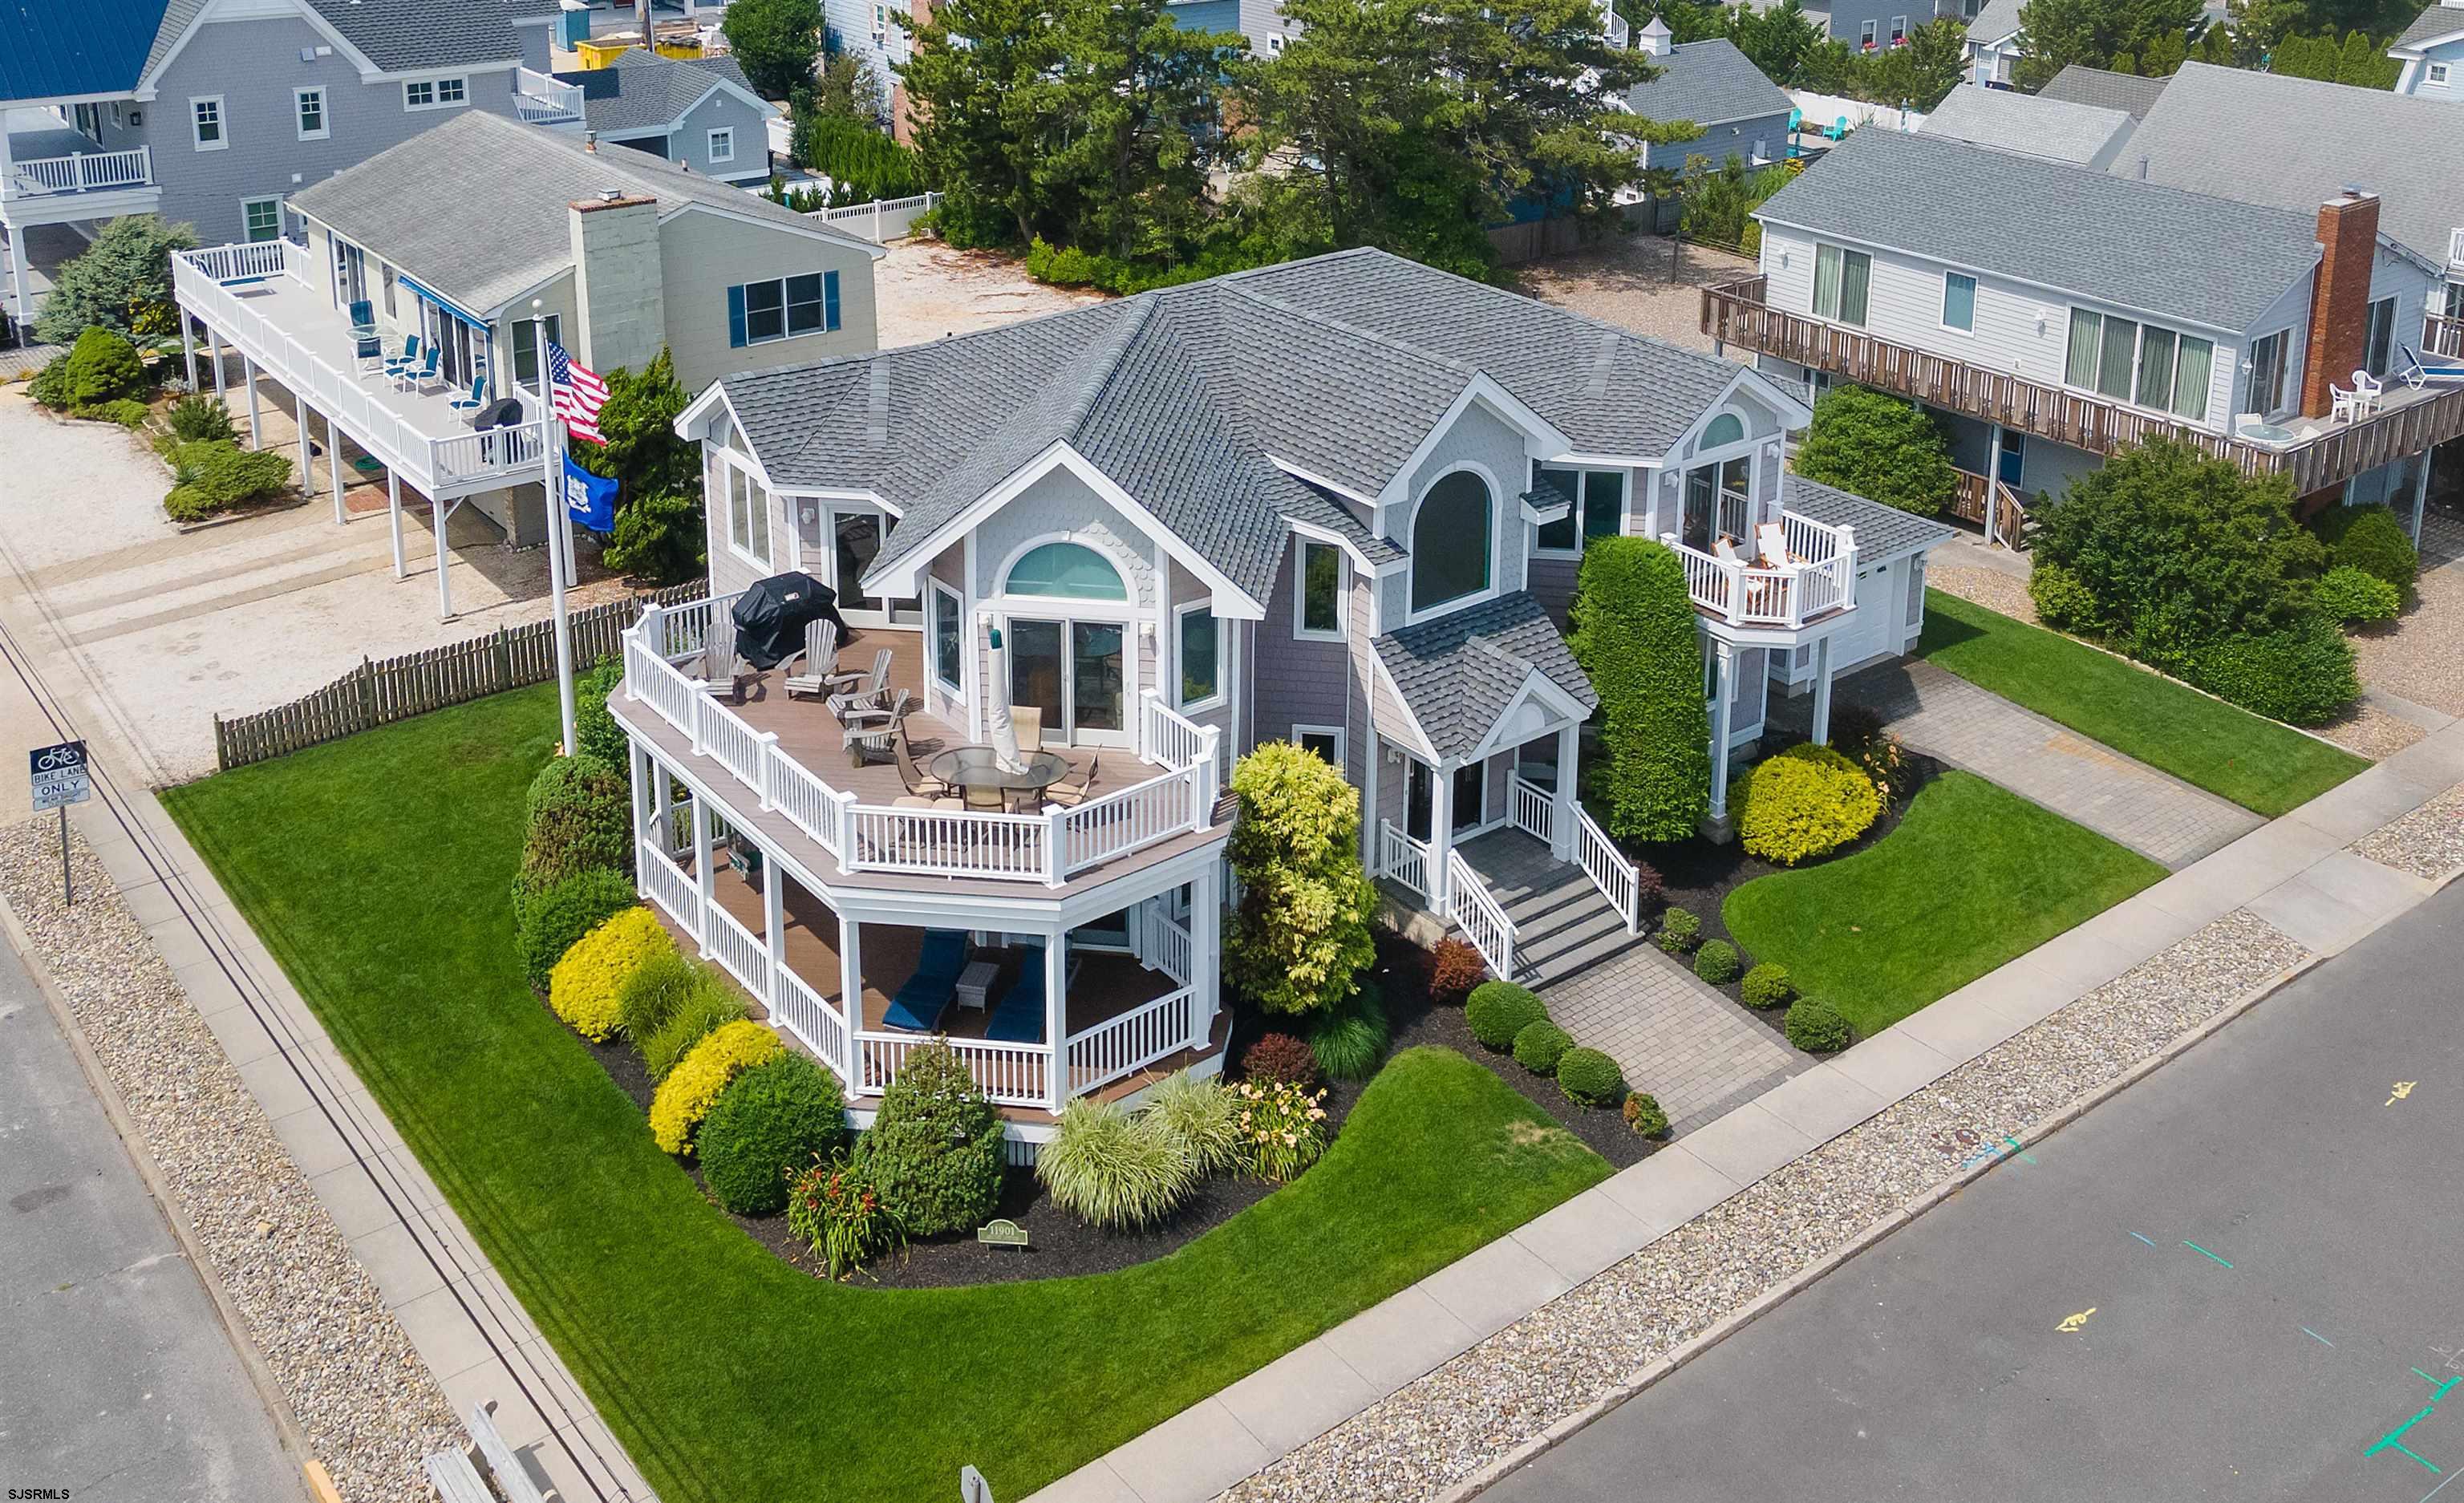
(736, 317)
(829, 300)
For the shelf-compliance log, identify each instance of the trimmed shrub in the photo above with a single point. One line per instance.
(126, 411)
(100, 366)
(2355, 596)
(1300, 933)
(1680, 931)
(578, 820)
(1815, 1026)
(218, 474)
(2302, 674)
(1642, 1114)
(1804, 802)
(706, 1006)
(1635, 635)
(2370, 538)
(935, 1149)
(1649, 887)
(548, 919)
(1454, 969)
(1280, 1056)
(836, 1209)
(50, 386)
(2061, 601)
(1881, 447)
(1589, 1077)
(587, 986)
(596, 734)
(1350, 1041)
(197, 418)
(1540, 1045)
(121, 281)
(1202, 1117)
(649, 995)
(1716, 964)
(1283, 1128)
(1110, 1169)
(1496, 1012)
(695, 1086)
(773, 1119)
(1768, 985)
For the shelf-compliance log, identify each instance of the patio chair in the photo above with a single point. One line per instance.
(364, 317)
(1017, 1018)
(2437, 370)
(716, 669)
(809, 670)
(475, 400)
(919, 1005)
(368, 355)
(409, 357)
(864, 735)
(2370, 390)
(921, 785)
(415, 376)
(1030, 721)
(860, 687)
(1772, 539)
(1071, 792)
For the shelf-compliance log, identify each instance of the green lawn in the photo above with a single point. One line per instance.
(1972, 878)
(2255, 762)
(376, 871)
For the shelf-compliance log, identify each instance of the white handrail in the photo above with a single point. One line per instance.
(1619, 879)
(1168, 948)
(1484, 921)
(1010, 1074)
(82, 172)
(1401, 858)
(1788, 596)
(1531, 808)
(540, 99)
(1117, 1047)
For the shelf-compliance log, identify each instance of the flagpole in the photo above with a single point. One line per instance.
(558, 520)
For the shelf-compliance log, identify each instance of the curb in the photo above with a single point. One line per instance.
(252, 1361)
(1770, 1300)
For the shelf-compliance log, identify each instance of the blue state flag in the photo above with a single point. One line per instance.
(590, 499)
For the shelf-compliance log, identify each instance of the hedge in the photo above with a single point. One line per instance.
(694, 1087)
(1636, 637)
(586, 987)
(2303, 674)
(935, 1149)
(549, 919)
(2370, 538)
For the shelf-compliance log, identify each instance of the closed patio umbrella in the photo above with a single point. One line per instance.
(1002, 726)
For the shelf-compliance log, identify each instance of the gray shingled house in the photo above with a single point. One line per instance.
(1743, 114)
(699, 113)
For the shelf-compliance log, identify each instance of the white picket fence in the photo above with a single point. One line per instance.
(881, 221)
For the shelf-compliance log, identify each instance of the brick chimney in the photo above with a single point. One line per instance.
(618, 301)
(2340, 297)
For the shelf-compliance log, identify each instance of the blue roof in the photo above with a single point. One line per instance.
(73, 47)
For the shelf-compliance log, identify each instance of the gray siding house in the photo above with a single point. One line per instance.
(2432, 50)
(698, 113)
(1743, 114)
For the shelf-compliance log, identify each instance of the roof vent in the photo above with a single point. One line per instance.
(610, 195)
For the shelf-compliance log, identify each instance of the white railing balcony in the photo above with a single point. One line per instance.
(1818, 577)
(542, 99)
(2456, 249)
(79, 172)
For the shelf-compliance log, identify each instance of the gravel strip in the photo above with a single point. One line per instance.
(1579, 1346)
(2428, 841)
(2369, 730)
(1992, 588)
(367, 1404)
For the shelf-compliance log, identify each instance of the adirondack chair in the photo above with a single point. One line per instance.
(809, 670)
(866, 732)
(862, 687)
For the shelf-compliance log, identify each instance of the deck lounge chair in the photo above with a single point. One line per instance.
(2442, 370)
(1017, 1018)
(809, 670)
(927, 993)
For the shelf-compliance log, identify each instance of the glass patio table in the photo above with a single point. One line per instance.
(978, 773)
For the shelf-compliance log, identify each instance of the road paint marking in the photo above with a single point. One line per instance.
(2316, 1336)
(2014, 1148)
(2394, 1439)
(2203, 1252)
(2401, 1089)
(2424, 1377)
(2148, 1241)
(2078, 1321)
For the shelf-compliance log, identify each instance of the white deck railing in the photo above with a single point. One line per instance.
(1534, 810)
(1401, 858)
(542, 100)
(437, 465)
(1531, 808)
(1136, 1039)
(1819, 577)
(1470, 904)
(80, 172)
(1168, 948)
(1051, 846)
(1011, 1075)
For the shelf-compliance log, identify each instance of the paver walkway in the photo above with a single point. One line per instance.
(1687, 1044)
(2158, 815)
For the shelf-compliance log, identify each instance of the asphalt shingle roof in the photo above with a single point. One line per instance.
(1708, 83)
(2000, 18)
(475, 208)
(432, 34)
(644, 91)
(2438, 20)
(1883, 532)
(1460, 672)
(2126, 92)
(2210, 261)
(2032, 124)
(2292, 142)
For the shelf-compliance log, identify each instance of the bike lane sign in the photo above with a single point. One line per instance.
(60, 776)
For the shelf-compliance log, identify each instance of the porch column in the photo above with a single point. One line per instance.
(851, 999)
(1205, 952)
(1368, 839)
(440, 512)
(701, 875)
(187, 331)
(1442, 833)
(393, 519)
(307, 450)
(248, 370)
(644, 807)
(334, 466)
(1822, 691)
(214, 351)
(1561, 819)
(1723, 709)
(1992, 474)
(774, 927)
(2421, 494)
(26, 306)
(1056, 1017)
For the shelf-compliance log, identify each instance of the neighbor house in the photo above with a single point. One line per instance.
(443, 251)
(2082, 135)
(213, 112)
(698, 113)
(2432, 50)
(1339, 502)
(2128, 92)
(1743, 114)
(2071, 313)
(1993, 43)
(1881, 25)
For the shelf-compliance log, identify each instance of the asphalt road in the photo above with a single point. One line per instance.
(117, 1380)
(2070, 1329)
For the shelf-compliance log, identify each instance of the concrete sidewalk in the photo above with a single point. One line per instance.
(2296, 873)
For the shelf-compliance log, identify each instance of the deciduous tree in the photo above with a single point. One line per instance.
(775, 42)
(1300, 933)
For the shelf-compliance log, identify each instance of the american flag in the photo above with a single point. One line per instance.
(577, 393)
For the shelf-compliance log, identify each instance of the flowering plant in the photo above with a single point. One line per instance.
(1281, 1126)
(837, 1210)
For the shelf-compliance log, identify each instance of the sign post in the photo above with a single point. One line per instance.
(57, 777)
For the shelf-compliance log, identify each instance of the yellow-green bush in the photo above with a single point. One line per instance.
(689, 1090)
(586, 987)
(1806, 801)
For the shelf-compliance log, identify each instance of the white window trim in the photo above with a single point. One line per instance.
(1968, 330)
(247, 204)
(1302, 632)
(1869, 34)
(1625, 498)
(2288, 391)
(934, 590)
(324, 113)
(2139, 342)
(757, 491)
(2435, 72)
(222, 123)
(1898, 29)
(1334, 731)
(1497, 494)
(436, 85)
(1215, 700)
(715, 135)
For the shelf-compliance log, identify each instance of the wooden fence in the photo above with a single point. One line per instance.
(380, 692)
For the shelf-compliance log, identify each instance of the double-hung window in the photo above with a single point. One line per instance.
(761, 312)
(1841, 279)
(1196, 640)
(2378, 351)
(722, 144)
(1898, 29)
(1317, 606)
(526, 353)
(206, 123)
(308, 108)
(1958, 302)
(1865, 37)
(2145, 364)
(948, 636)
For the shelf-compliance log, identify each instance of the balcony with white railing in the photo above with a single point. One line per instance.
(766, 757)
(1816, 581)
(544, 100)
(58, 176)
(269, 299)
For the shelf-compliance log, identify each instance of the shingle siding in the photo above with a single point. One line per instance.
(1307, 683)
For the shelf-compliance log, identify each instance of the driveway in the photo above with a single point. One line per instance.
(925, 291)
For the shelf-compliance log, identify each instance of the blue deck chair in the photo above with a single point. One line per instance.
(409, 357)
(1838, 130)
(364, 317)
(475, 400)
(927, 995)
(1017, 1018)
(421, 375)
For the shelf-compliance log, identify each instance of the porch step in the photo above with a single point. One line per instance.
(1563, 927)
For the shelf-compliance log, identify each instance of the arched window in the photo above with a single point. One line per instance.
(1450, 541)
(1725, 429)
(1070, 571)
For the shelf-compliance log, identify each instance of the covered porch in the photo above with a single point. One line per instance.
(55, 178)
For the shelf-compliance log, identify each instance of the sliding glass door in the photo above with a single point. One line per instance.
(1071, 671)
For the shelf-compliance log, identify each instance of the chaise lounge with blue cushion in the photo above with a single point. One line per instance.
(920, 1003)
(1019, 1017)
